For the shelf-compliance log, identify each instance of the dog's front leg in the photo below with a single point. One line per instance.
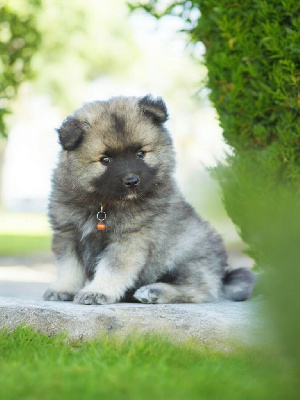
(116, 272)
(70, 274)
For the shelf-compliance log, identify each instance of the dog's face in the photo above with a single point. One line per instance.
(117, 150)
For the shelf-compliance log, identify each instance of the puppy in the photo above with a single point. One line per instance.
(122, 230)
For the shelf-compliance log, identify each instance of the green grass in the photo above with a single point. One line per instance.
(23, 234)
(34, 366)
(12, 244)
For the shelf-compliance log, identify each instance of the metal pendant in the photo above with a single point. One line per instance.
(101, 217)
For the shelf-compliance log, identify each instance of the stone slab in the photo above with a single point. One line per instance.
(214, 323)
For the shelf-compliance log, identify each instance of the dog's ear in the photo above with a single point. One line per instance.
(71, 133)
(154, 108)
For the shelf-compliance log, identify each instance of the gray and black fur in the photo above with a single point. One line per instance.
(156, 248)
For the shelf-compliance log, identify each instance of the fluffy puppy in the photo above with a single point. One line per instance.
(122, 230)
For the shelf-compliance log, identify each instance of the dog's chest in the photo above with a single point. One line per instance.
(89, 249)
(90, 242)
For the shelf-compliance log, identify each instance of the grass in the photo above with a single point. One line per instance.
(23, 244)
(34, 366)
(23, 234)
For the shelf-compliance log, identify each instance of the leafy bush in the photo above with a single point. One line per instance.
(19, 39)
(253, 60)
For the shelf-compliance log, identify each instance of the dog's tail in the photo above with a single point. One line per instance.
(238, 284)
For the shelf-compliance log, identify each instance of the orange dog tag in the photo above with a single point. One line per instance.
(101, 226)
(101, 217)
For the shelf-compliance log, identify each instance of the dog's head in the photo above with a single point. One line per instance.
(117, 149)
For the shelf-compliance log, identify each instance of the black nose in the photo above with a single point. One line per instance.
(131, 182)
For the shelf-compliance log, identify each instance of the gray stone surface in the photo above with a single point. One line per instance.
(24, 279)
(217, 323)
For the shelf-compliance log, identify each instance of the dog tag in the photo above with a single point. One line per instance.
(101, 226)
(101, 216)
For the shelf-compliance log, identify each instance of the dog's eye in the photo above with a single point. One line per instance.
(105, 160)
(141, 154)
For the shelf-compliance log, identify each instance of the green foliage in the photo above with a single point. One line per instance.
(269, 220)
(60, 46)
(253, 60)
(36, 366)
(19, 40)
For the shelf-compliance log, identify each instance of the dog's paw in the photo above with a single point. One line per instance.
(147, 294)
(53, 295)
(92, 298)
